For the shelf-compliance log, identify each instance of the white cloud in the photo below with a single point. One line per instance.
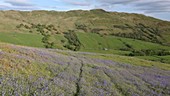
(17, 5)
(19, 2)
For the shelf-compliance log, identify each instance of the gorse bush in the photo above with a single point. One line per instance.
(149, 52)
(74, 43)
(81, 27)
(140, 32)
(48, 41)
(45, 30)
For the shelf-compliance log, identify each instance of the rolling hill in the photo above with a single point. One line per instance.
(136, 26)
(83, 53)
(95, 31)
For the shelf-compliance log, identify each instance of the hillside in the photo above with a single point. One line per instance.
(83, 53)
(136, 26)
(91, 42)
(91, 31)
(51, 72)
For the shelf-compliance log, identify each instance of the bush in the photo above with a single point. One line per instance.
(72, 40)
(81, 27)
(148, 52)
(48, 41)
(63, 41)
(140, 32)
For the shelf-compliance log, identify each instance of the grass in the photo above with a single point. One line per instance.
(26, 39)
(58, 43)
(110, 51)
(92, 41)
(94, 19)
(36, 71)
(165, 59)
(135, 61)
(29, 39)
(138, 45)
(47, 72)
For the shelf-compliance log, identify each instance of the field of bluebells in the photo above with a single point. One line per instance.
(26, 71)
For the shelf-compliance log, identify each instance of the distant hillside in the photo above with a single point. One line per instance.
(127, 25)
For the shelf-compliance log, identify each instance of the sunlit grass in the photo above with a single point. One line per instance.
(134, 61)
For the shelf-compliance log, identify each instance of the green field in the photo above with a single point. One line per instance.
(91, 42)
(164, 59)
(33, 40)
(95, 42)
(114, 45)
(28, 39)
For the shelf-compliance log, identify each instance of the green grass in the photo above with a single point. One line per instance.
(137, 44)
(29, 39)
(134, 61)
(26, 39)
(92, 41)
(165, 59)
(95, 43)
(58, 43)
(111, 51)
(94, 19)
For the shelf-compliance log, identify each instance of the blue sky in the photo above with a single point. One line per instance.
(156, 8)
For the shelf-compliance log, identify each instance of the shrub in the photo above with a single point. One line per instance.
(63, 41)
(72, 40)
(48, 41)
(148, 52)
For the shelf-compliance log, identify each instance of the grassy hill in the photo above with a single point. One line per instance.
(91, 42)
(35, 71)
(135, 26)
(83, 53)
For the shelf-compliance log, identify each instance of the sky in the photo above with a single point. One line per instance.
(155, 8)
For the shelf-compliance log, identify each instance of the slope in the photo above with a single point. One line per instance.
(33, 71)
(91, 42)
(135, 26)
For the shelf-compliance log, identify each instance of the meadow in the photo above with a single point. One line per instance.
(91, 42)
(35, 71)
(26, 39)
(83, 53)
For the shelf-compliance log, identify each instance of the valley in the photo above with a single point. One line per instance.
(83, 53)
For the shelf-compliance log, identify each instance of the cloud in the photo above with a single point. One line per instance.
(76, 2)
(19, 3)
(146, 6)
(157, 6)
(4, 7)
(141, 6)
(116, 1)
